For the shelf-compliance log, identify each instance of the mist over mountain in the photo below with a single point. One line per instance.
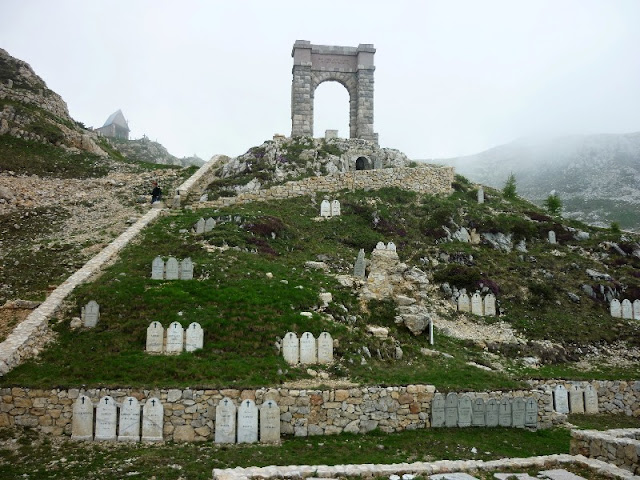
(596, 176)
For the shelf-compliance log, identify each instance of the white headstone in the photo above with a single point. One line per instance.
(325, 208)
(560, 399)
(129, 425)
(492, 413)
(531, 413)
(247, 422)
(200, 226)
(325, 348)
(504, 412)
(291, 348)
(91, 314)
(155, 337)
(157, 269)
(480, 195)
(451, 410)
(335, 208)
(437, 411)
(359, 268)
(82, 420)
(209, 224)
(175, 338)
(225, 421)
(490, 305)
(195, 337)
(576, 399)
(636, 309)
(308, 348)
(381, 246)
(270, 422)
(476, 304)
(106, 419)
(518, 409)
(478, 413)
(186, 269)
(552, 237)
(391, 246)
(463, 303)
(173, 269)
(464, 411)
(627, 309)
(590, 399)
(615, 309)
(152, 420)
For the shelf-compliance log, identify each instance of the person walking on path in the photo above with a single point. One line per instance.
(156, 193)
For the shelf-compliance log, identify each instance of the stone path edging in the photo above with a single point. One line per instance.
(420, 468)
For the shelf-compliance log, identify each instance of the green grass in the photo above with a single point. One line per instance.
(603, 421)
(43, 458)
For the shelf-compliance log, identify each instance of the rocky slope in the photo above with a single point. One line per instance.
(596, 176)
(145, 150)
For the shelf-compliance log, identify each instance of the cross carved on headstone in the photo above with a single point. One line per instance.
(247, 403)
(225, 402)
(106, 401)
(83, 400)
(130, 401)
(153, 403)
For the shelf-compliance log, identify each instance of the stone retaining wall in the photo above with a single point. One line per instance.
(425, 179)
(620, 447)
(189, 415)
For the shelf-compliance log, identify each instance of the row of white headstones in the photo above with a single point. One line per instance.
(455, 411)
(245, 424)
(107, 424)
(177, 340)
(330, 209)
(307, 350)
(576, 400)
(204, 226)
(477, 305)
(173, 270)
(626, 309)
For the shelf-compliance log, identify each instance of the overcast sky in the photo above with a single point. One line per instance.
(452, 77)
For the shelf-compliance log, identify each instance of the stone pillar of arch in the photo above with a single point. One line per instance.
(351, 66)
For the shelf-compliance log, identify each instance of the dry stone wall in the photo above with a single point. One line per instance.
(620, 447)
(426, 179)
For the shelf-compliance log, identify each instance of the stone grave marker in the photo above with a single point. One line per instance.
(291, 348)
(155, 337)
(531, 413)
(576, 399)
(270, 422)
(476, 304)
(225, 421)
(627, 309)
(157, 269)
(325, 209)
(381, 246)
(199, 227)
(615, 308)
(106, 419)
(391, 246)
(247, 422)
(90, 314)
(82, 421)
(209, 224)
(480, 195)
(195, 337)
(359, 268)
(451, 410)
(175, 338)
(186, 269)
(590, 399)
(636, 309)
(464, 411)
(492, 412)
(173, 269)
(560, 399)
(308, 348)
(152, 420)
(478, 413)
(463, 303)
(335, 208)
(490, 305)
(325, 348)
(504, 412)
(518, 408)
(437, 411)
(129, 425)
(552, 237)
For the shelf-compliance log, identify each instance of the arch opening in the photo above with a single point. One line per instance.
(363, 163)
(331, 109)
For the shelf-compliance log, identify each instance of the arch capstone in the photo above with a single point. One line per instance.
(350, 66)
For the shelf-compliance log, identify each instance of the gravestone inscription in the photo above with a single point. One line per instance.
(152, 420)
(576, 399)
(325, 208)
(492, 412)
(82, 421)
(129, 424)
(270, 422)
(627, 309)
(490, 305)
(106, 419)
(504, 412)
(325, 348)
(560, 399)
(531, 413)
(464, 411)
(518, 408)
(552, 237)
(308, 348)
(155, 337)
(590, 399)
(172, 269)
(175, 338)
(225, 421)
(91, 314)
(451, 410)
(157, 269)
(195, 337)
(437, 411)
(478, 413)
(615, 308)
(247, 422)
(335, 208)
(476, 304)
(291, 348)
(186, 269)
(463, 303)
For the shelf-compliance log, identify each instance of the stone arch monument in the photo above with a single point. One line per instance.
(350, 66)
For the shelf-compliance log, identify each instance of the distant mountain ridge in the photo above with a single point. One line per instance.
(596, 176)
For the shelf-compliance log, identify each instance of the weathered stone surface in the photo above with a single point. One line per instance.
(576, 399)
(451, 410)
(172, 269)
(359, 268)
(247, 422)
(335, 208)
(478, 413)
(225, 421)
(518, 412)
(308, 349)
(438, 411)
(615, 308)
(480, 195)
(464, 411)
(175, 338)
(90, 314)
(129, 424)
(186, 269)
(504, 412)
(199, 226)
(325, 208)
(152, 420)
(490, 305)
(157, 269)
(531, 413)
(552, 237)
(155, 338)
(476, 304)
(464, 305)
(194, 337)
(636, 309)
(325, 348)
(270, 422)
(561, 399)
(106, 419)
(492, 412)
(82, 420)
(626, 309)
(291, 348)
(590, 399)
